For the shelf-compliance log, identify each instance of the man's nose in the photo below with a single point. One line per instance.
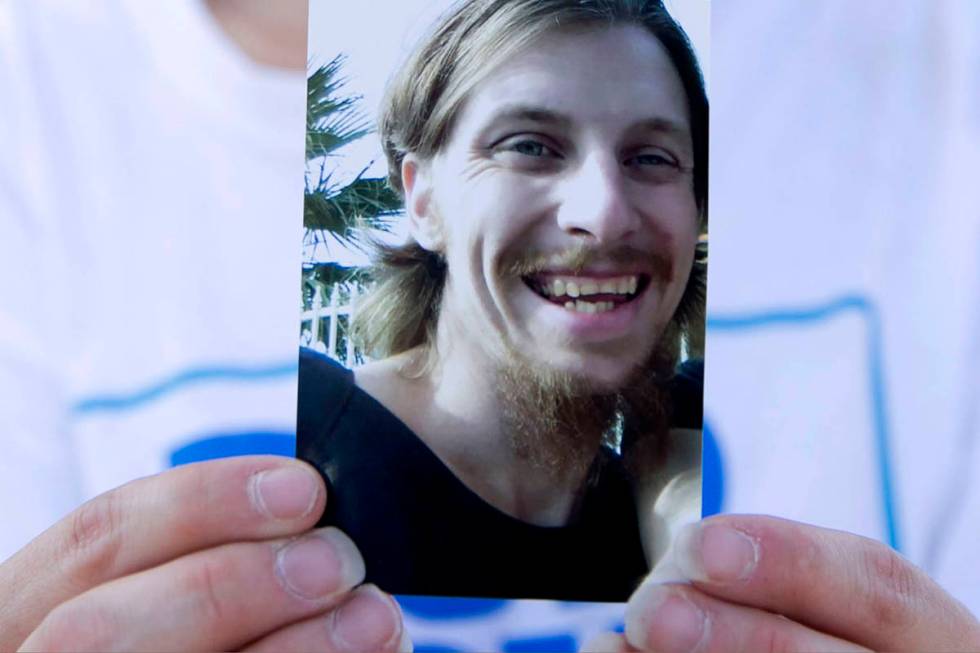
(596, 202)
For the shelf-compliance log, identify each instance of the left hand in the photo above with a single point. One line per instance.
(766, 584)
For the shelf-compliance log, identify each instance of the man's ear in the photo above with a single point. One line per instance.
(423, 221)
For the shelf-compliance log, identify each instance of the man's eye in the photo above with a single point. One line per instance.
(655, 167)
(528, 147)
(652, 159)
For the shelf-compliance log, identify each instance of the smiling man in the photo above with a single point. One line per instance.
(552, 159)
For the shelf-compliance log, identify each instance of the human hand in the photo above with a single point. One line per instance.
(211, 556)
(765, 584)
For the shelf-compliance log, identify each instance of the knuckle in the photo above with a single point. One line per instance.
(770, 638)
(206, 581)
(892, 586)
(94, 537)
(805, 557)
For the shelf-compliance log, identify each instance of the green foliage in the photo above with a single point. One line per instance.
(348, 213)
(334, 213)
(343, 213)
(332, 120)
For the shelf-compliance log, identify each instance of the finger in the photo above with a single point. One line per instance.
(369, 620)
(608, 643)
(152, 520)
(836, 582)
(218, 599)
(681, 619)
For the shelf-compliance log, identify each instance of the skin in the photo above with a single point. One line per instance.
(765, 584)
(508, 183)
(147, 566)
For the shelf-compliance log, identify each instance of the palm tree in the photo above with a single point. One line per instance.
(338, 214)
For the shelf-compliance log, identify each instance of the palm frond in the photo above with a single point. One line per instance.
(332, 119)
(364, 204)
(347, 213)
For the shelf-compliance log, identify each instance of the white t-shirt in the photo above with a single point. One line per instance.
(151, 195)
(844, 276)
(150, 202)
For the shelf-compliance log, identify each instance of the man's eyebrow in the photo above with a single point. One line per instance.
(530, 113)
(662, 125)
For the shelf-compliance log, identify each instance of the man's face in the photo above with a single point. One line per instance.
(564, 205)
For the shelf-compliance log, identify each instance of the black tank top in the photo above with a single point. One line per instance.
(422, 531)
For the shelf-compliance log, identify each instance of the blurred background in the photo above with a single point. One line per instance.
(151, 188)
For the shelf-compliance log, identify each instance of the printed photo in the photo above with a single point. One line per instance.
(503, 286)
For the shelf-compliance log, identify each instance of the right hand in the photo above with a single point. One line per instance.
(216, 555)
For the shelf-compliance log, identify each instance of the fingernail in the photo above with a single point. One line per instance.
(368, 621)
(406, 645)
(320, 565)
(715, 553)
(661, 619)
(288, 492)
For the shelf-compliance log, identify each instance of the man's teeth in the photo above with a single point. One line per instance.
(625, 285)
(589, 307)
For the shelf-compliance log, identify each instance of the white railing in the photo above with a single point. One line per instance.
(326, 338)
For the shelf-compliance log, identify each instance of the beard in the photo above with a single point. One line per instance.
(558, 421)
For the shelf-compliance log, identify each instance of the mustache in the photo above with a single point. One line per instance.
(577, 257)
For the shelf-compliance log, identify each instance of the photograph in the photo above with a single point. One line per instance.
(504, 273)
